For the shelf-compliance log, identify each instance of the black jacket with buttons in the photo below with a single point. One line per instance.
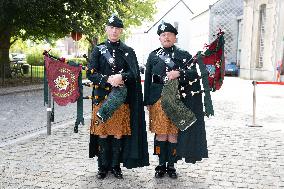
(135, 146)
(156, 67)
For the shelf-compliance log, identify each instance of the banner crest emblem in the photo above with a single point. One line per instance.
(62, 80)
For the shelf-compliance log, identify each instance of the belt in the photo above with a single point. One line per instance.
(158, 79)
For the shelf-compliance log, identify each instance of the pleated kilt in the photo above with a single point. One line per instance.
(118, 124)
(159, 123)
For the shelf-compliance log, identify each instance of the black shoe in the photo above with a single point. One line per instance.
(102, 174)
(116, 171)
(172, 172)
(160, 171)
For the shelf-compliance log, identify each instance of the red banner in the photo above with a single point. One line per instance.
(62, 81)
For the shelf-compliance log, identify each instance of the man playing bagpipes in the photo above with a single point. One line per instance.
(173, 96)
(118, 136)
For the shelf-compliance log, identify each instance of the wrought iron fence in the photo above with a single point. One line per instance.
(21, 74)
(27, 72)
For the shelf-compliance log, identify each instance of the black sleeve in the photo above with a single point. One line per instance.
(93, 69)
(148, 80)
(128, 76)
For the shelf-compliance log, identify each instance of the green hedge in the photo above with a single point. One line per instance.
(82, 61)
(36, 59)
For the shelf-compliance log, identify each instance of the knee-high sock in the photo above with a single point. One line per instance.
(103, 156)
(172, 155)
(161, 150)
(116, 152)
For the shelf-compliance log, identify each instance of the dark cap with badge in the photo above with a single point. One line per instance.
(115, 21)
(166, 27)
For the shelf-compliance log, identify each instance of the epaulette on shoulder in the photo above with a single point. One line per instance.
(126, 46)
(156, 50)
(100, 44)
(182, 52)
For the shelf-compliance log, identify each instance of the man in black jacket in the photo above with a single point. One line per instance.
(122, 138)
(171, 144)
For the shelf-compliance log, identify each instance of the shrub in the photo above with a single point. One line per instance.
(35, 58)
(82, 61)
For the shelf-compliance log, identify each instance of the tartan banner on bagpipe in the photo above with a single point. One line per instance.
(213, 58)
(62, 80)
(212, 67)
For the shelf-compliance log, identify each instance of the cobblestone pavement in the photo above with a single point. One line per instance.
(20, 89)
(239, 156)
(22, 111)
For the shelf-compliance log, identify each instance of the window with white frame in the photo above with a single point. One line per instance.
(261, 33)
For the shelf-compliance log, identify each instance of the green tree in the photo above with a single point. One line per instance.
(53, 19)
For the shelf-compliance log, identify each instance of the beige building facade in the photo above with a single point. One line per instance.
(262, 40)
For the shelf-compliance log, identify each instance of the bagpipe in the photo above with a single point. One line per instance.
(112, 102)
(115, 99)
(211, 65)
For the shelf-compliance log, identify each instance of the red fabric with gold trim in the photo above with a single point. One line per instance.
(62, 81)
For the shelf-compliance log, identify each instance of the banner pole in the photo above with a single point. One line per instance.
(254, 105)
(48, 110)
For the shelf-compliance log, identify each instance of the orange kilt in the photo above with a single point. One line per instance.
(118, 124)
(159, 123)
